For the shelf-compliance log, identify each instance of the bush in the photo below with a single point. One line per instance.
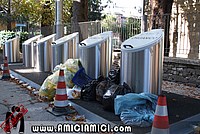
(6, 35)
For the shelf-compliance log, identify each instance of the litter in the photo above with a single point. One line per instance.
(88, 92)
(81, 78)
(70, 67)
(111, 93)
(136, 109)
(74, 93)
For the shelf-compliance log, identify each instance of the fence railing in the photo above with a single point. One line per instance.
(121, 31)
(182, 34)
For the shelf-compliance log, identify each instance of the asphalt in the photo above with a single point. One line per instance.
(179, 107)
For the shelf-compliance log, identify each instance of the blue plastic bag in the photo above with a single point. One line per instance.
(136, 109)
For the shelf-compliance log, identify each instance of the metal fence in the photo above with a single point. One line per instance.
(182, 34)
(121, 31)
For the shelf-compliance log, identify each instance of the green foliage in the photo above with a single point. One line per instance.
(131, 28)
(109, 23)
(23, 36)
(6, 35)
(32, 10)
(94, 10)
(127, 27)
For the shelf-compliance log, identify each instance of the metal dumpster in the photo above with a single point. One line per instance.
(11, 50)
(65, 48)
(142, 62)
(29, 52)
(96, 54)
(43, 53)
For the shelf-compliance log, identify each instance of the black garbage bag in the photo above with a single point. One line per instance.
(88, 92)
(102, 88)
(111, 93)
(114, 75)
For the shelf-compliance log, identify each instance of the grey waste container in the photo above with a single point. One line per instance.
(11, 50)
(142, 61)
(105, 51)
(65, 48)
(96, 54)
(29, 52)
(43, 53)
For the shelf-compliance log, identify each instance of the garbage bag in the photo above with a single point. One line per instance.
(81, 78)
(49, 85)
(74, 93)
(101, 89)
(111, 93)
(88, 92)
(114, 75)
(137, 117)
(130, 100)
(72, 65)
(136, 109)
(47, 89)
(57, 67)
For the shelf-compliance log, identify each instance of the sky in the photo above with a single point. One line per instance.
(125, 7)
(126, 3)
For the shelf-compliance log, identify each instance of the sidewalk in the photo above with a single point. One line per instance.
(11, 95)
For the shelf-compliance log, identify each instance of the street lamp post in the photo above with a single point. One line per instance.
(59, 19)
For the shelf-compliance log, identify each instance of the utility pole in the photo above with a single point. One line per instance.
(59, 19)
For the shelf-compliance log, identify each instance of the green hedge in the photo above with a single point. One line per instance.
(6, 35)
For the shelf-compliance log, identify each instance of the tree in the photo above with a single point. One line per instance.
(94, 10)
(80, 14)
(161, 10)
(31, 10)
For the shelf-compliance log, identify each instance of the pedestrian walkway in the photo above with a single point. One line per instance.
(11, 95)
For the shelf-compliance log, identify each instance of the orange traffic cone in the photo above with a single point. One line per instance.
(6, 72)
(61, 94)
(161, 122)
(61, 105)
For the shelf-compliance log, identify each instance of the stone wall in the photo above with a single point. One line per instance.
(182, 70)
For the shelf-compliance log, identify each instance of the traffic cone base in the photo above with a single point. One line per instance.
(61, 100)
(159, 131)
(61, 103)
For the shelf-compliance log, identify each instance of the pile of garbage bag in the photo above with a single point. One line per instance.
(70, 67)
(136, 109)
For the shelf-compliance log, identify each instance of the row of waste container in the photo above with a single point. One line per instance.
(141, 56)
(45, 53)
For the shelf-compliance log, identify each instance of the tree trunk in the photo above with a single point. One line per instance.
(80, 14)
(161, 10)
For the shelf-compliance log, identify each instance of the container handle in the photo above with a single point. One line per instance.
(35, 43)
(125, 46)
(82, 44)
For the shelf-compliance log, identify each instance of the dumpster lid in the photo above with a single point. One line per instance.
(46, 38)
(35, 38)
(64, 39)
(16, 37)
(142, 41)
(95, 39)
(103, 35)
(90, 42)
